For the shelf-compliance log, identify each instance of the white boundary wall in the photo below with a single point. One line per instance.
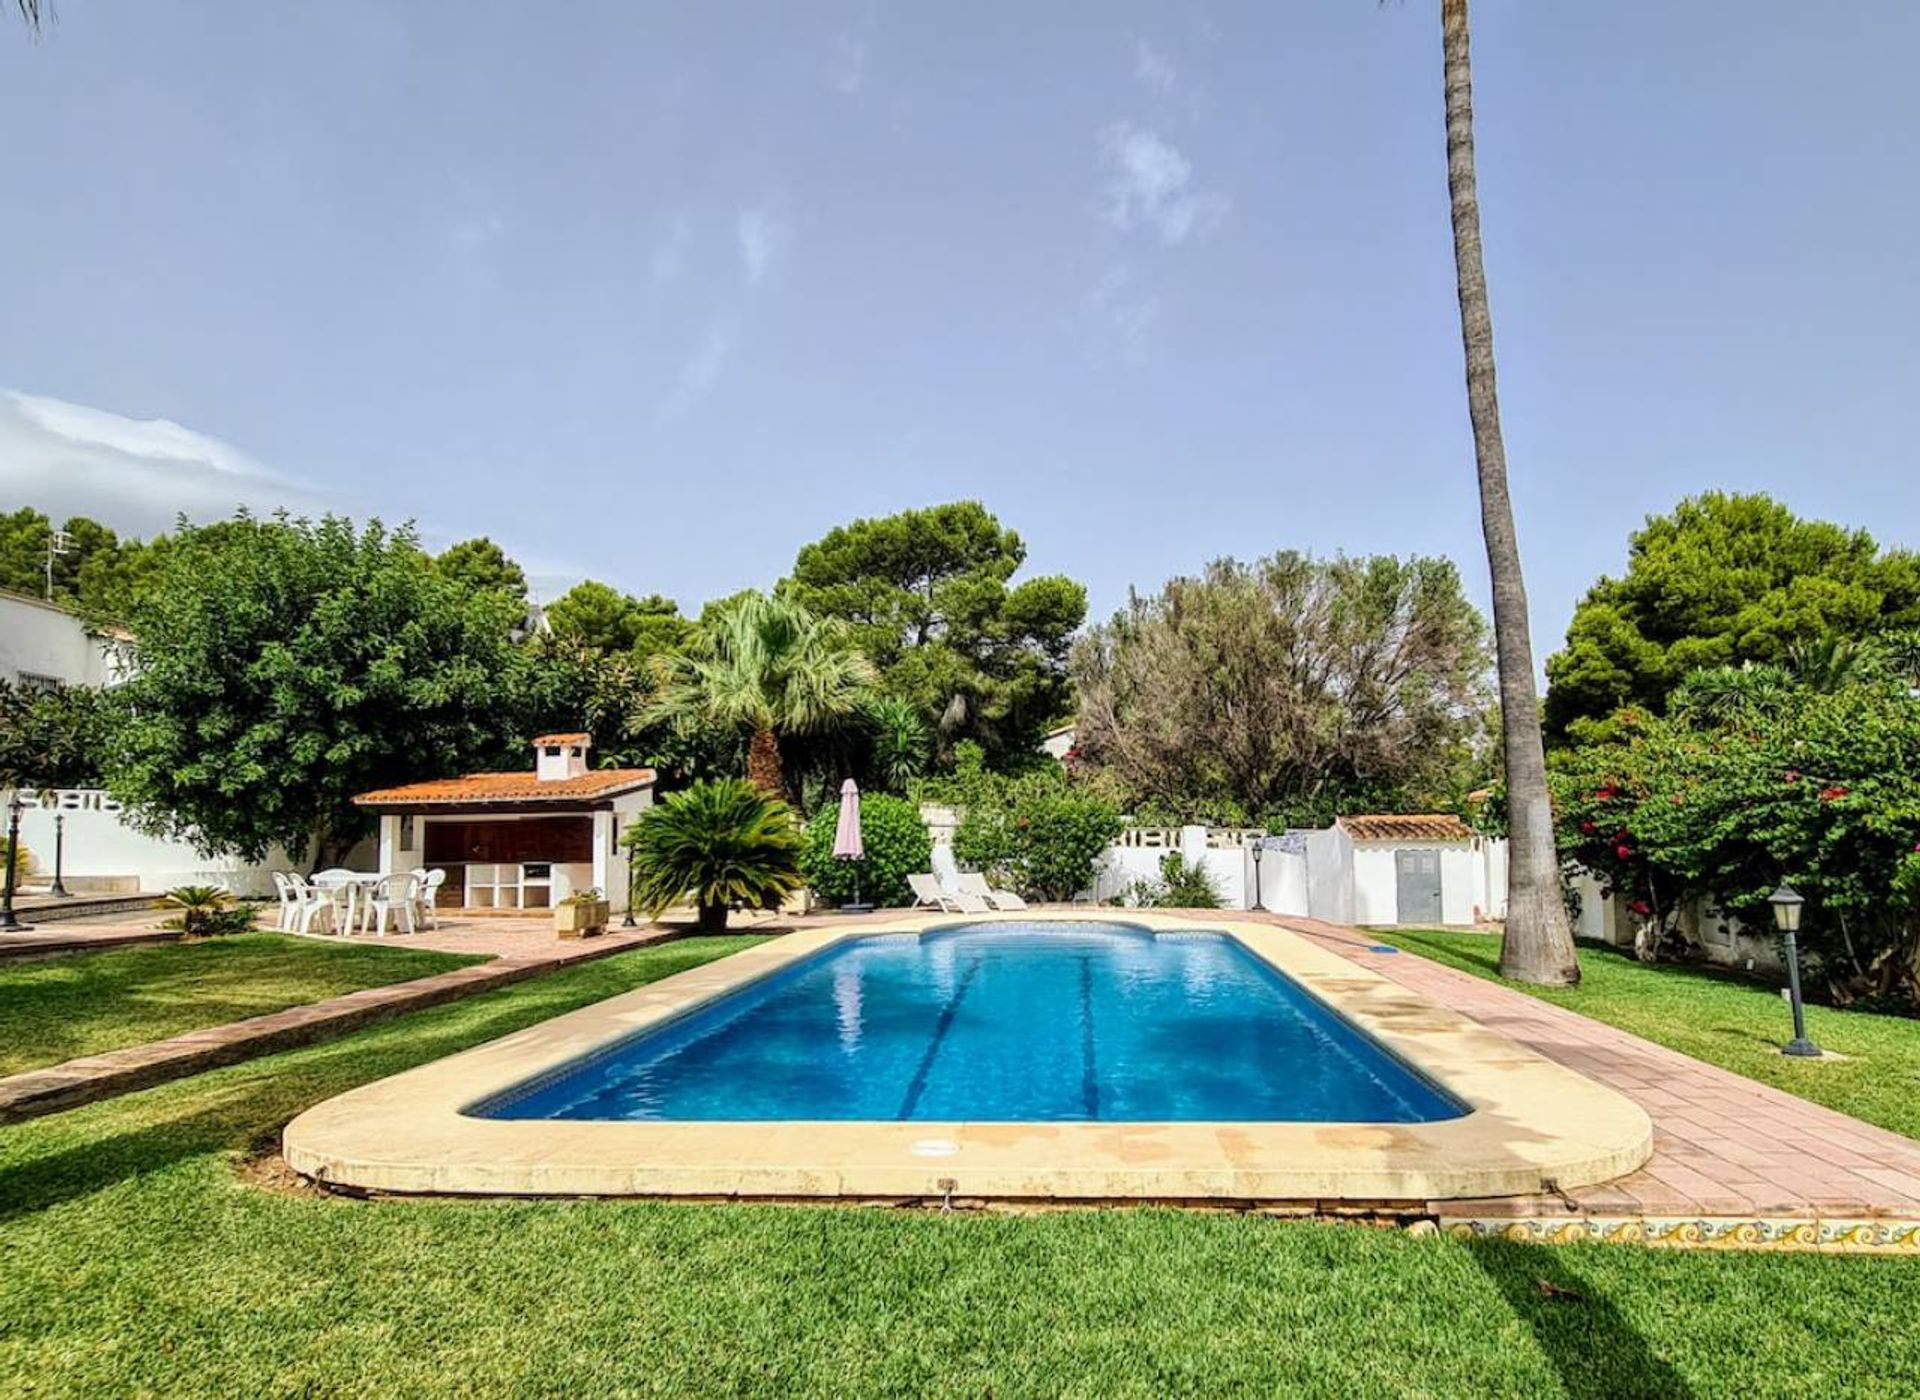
(102, 848)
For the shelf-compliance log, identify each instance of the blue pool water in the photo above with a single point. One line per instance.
(1001, 1023)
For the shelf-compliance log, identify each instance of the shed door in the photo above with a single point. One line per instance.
(1416, 878)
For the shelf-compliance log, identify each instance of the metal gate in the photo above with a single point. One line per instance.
(1416, 879)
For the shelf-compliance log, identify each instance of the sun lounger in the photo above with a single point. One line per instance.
(928, 890)
(974, 883)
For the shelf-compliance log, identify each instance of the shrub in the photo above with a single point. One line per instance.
(1044, 843)
(206, 910)
(25, 860)
(721, 843)
(897, 846)
(1182, 885)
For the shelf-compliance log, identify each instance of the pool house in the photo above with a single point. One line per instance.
(517, 841)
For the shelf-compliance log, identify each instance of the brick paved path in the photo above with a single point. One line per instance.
(1723, 1145)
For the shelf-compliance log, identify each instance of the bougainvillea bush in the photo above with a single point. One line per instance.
(897, 846)
(1755, 777)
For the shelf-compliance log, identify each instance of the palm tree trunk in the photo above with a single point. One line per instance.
(1538, 946)
(763, 763)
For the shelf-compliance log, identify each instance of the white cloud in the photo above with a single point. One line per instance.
(669, 257)
(764, 240)
(1150, 184)
(702, 369)
(1154, 68)
(131, 473)
(847, 65)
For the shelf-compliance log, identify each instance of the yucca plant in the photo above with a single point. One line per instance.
(720, 844)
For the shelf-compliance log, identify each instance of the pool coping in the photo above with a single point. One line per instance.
(1533, 1125)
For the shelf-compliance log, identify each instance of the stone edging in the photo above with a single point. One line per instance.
(91, 1078)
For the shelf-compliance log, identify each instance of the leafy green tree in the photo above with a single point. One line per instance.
(929, 597)
(1723, 579)
(602, 617)
(896, 842)
(1751, 778)
(287, 665)
(769, 669)
(478, 564)
(1287, 689)
(55, 738)
(23, 550)
(722, 844)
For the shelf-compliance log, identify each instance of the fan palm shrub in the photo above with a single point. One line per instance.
(765, 667)
(205, 910)
(721, 844)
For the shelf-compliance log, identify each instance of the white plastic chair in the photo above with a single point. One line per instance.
(342, 886)
(303, 905)
(427, 895)
(974, 883)
(395, 895)
(283, 887)
(928, 890)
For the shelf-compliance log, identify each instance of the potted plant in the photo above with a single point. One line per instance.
(581, 914)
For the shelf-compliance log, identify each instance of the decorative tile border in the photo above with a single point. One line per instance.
(1842, 1235)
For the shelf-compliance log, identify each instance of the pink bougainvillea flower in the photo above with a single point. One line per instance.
(1607, 794)
(1641, 907)
(1588, 827)
(1624, 851)
(1832, 794)
(1793, 775)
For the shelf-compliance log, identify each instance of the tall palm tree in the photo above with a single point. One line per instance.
(769, 667)
(1538, 946)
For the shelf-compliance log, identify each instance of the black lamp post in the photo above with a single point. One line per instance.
(1787, 904)
(1259, 849)
(59, 890)
(9, 921)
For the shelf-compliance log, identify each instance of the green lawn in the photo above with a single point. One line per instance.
(138, 1254)
(1725, 1020)
(55, 1009)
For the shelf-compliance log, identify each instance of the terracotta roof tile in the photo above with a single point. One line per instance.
(510, 787)
(546, 739)
(1426, 826)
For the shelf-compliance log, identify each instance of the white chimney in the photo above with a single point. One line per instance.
(560, 756)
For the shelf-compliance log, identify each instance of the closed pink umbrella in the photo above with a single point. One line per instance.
(847, 844)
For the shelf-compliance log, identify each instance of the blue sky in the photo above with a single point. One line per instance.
(658, 293)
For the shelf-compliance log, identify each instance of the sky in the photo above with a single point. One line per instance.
(658, 293)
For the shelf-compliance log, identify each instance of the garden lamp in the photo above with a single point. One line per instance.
(1787, 904)
(1259, 849)
(9, 921)
(59, 890)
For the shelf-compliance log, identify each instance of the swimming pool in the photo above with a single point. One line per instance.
(1020, 1022)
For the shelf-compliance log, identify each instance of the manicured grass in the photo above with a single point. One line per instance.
(1726, 1020)
(138, 1254)
(82, 1004)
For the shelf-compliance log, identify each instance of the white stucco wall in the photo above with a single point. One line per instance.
(101, 848)
(40, 640)
(1464, 888)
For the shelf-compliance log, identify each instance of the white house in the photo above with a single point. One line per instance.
(513, 841)
(45, 646)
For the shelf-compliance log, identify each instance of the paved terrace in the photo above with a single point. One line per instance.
(1734, 1161)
